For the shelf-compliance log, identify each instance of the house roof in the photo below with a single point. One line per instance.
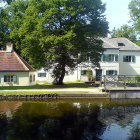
(113, 43)
(13, 62)
(108, 44)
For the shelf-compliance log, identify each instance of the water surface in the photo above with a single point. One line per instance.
(70, 119)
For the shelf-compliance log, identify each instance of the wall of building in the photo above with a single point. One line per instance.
(122, 68)
(22, 79)
(70, 77)
(47, 78)
(76, 74)
(33, 80)
(129, 68)
(110, 65)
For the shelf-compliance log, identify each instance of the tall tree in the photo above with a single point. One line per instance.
(4, 30)
(134, 7)
(125, 31)
(58, 34)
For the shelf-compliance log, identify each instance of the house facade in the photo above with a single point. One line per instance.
(14, 70)
(121, 57)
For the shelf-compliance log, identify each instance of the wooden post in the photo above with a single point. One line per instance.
(105, 84)
(124, 82)
(118, 81)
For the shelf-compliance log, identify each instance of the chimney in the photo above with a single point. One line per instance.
(109, 35)
(9, 47)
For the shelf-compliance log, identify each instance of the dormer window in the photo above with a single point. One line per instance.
(121, 44)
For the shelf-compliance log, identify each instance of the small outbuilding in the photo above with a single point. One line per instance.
(14, 70)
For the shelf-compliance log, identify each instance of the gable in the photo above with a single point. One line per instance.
(12, 62)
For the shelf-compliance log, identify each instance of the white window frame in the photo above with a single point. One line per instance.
(111, 72)
(83, 72)
(129, 58)
(31, 78)
(41, 74)
(10, 78)
(109, 58)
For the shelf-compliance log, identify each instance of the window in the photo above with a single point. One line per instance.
(129, 58)
(109, 58)
(33, 78)
(83, 72)
(10, 78)
(30, 78)
(41, 74)
(111, 72)
(121, 44)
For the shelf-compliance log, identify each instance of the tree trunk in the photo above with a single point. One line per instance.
(60, 82)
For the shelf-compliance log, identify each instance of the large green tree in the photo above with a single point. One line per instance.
(4, 30)
(134, 7)
(58, 34)
(125, 31)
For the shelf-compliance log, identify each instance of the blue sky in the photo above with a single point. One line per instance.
(117, 12)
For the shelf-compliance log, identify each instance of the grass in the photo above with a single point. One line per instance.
(38, 92)
(47, 86)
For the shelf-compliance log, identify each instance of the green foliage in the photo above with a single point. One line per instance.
(125, 31)
(4, 32)
(138, 79)
(138, 42)
(134, 7)
(52, 34)
(89, 74)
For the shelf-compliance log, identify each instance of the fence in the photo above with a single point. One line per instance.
(122, 81)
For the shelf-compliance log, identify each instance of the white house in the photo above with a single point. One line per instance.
(14, 70)
(121, 57)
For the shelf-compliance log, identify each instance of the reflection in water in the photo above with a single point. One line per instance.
(8, 108)
(69, 120)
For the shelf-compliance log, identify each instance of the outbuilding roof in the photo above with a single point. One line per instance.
(13, 62)
(123, 44)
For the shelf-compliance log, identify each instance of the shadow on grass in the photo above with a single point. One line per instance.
(67, 85)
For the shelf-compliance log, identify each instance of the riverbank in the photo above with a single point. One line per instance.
(72, 90)
(54, 90)
(54, 93)
(60, 92)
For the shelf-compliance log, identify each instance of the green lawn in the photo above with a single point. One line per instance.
(38, 92)
(47, 86)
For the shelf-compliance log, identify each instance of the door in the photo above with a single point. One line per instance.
(98, 74)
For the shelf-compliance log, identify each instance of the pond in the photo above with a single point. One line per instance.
(70, 119)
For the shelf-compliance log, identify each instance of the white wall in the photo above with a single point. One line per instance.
(110, 65)
(71, 77)
(129, 68)
(22, 79)
(48, 77)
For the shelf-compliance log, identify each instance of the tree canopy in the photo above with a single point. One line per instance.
(4, 31)
(125, 31)
(134, 7)
(57, 34)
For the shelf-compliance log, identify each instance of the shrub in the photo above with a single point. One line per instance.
(89, 74)
(138, 79)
